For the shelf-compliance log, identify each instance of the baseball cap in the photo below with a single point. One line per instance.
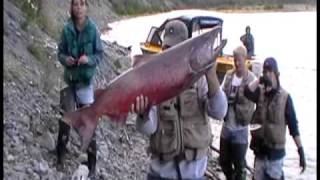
(175, 32)
(270, 64)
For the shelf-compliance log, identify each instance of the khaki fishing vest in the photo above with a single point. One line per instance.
(183, 128)
(243, 107)
(271, 114)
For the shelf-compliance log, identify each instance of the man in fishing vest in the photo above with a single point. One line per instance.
(179, 129)
(234, 133)
(274, 112)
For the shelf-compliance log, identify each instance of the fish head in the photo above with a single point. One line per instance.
(205, 49)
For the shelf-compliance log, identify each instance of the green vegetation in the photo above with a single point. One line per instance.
(31, 10)
(34, 16)
(37, 51)
(50, 77)
(272, 6)
(134, 7)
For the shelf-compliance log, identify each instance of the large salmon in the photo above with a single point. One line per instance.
(159, 77)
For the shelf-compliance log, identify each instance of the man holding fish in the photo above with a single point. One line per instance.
(179, 128)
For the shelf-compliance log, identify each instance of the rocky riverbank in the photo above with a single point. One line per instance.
(32, 81)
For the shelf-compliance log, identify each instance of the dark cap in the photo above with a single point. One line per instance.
(175, 32)
(270, 64)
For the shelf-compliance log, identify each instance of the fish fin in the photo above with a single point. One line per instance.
(83, 123)
(207, 67)
(97, 93)
(140, 59)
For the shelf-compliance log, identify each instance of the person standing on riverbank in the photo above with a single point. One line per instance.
(179, 129)
(274, 112)
(79, 51)
(234, 133)
(248, 42)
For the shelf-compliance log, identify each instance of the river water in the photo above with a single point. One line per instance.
(290, 37)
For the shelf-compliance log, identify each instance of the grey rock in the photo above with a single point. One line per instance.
(82, 157)
(30, 123)
(35, 155)
(30, 170)
(47, 141)
(10, 157)
(42, 167)
(19, 167)
(18, 34)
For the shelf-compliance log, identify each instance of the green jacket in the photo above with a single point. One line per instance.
(75, 44)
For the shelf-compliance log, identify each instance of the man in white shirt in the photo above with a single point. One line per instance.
(234, 133)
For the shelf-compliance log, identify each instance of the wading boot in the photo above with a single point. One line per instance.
(67, 104)
(63, 138)
(92, 157)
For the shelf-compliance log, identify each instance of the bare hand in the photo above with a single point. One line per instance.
(302, 159)
(70, 61)
(140, 105)
(83, 59)
(212, 70)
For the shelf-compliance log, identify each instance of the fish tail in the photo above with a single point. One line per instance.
(84, 121)
(97, 93)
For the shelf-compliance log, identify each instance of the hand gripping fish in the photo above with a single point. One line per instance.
(159, 77)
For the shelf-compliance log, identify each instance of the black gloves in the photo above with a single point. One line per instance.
(265, 80)
(302, 159)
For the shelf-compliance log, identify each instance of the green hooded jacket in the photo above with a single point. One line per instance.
(75, 44)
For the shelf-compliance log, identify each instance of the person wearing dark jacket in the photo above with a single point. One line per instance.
(79, 51)
(274, 112)
(248, 42)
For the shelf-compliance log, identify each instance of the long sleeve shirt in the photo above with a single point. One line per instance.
(76, 43)
(290, 117)
(217, 108)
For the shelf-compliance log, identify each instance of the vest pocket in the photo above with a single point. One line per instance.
(275, 112)
(197, 135)
(276, 135)
(169, 137)
(244, 112)
(165, 140)
(167, 110)
(190, 107)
